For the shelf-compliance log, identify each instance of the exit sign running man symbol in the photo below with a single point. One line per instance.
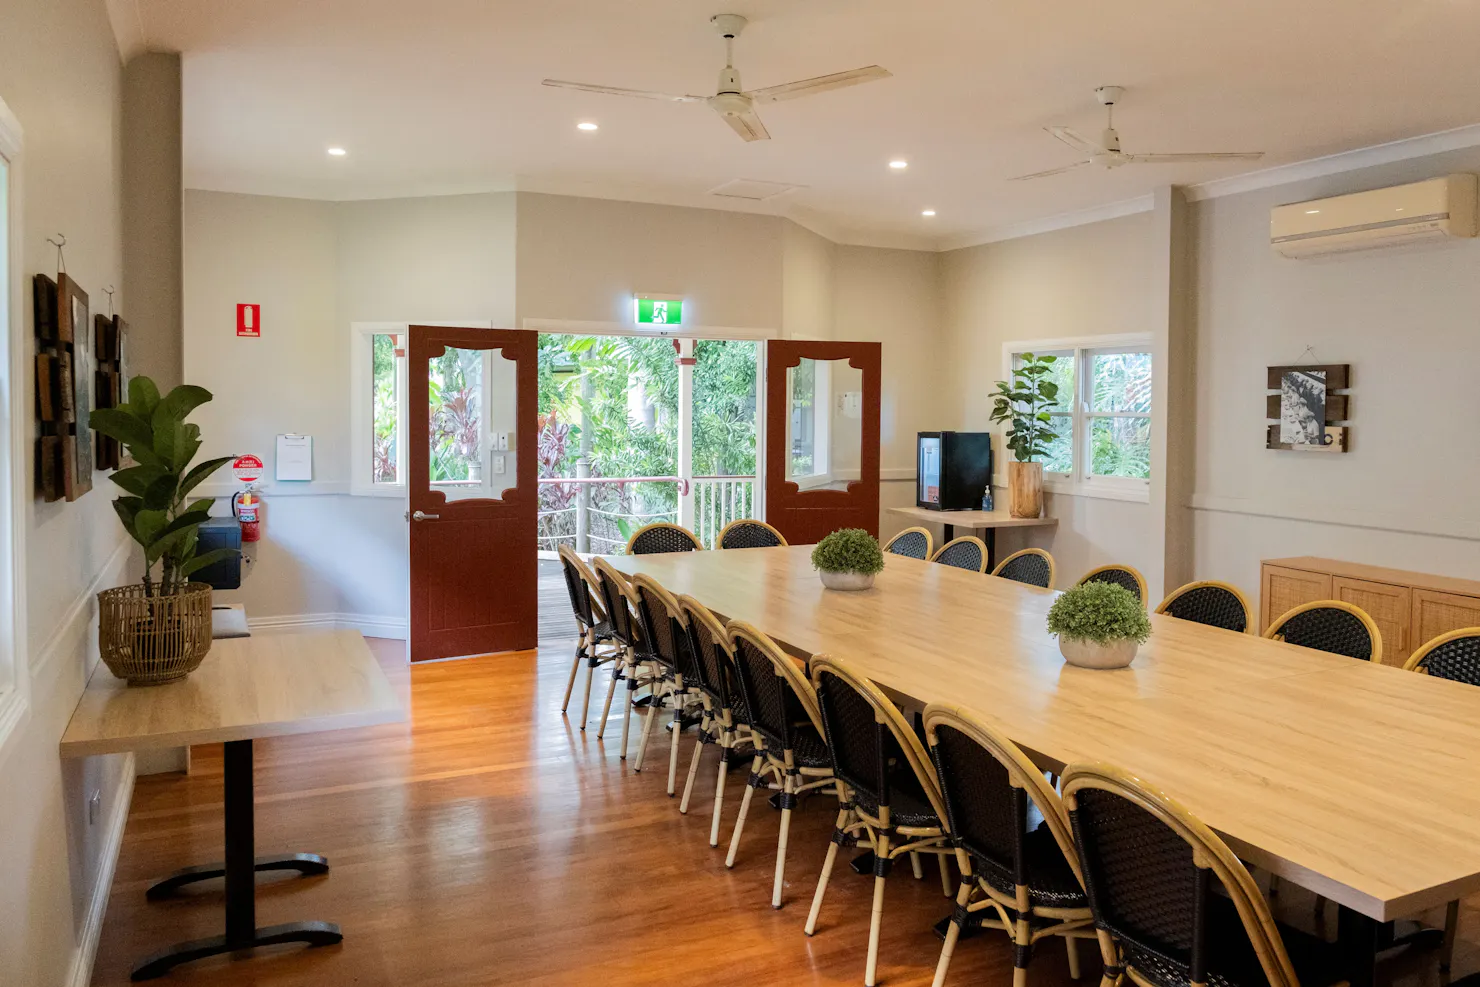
(659, 312)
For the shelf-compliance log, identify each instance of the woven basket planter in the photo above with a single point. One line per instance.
(150, 640)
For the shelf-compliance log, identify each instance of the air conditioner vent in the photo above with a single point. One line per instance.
(746, 188)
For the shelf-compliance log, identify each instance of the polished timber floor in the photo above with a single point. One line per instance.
(490, 841)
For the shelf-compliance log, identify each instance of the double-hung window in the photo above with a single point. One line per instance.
(15, 418)
(1103, 418)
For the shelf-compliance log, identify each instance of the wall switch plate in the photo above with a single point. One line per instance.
(498, 464)
(503, 442)
(94, 807)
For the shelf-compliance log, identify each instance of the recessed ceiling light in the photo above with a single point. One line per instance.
(899, 164)
(337, 152)
(927, 212)
(1311, 212)
(587, 125)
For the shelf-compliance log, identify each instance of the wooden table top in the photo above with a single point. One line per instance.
(999, 518)
(268, 685)
(1358, 781)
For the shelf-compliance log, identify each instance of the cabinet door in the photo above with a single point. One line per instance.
(1388, 605)
(1284, 589)
(1438, 613)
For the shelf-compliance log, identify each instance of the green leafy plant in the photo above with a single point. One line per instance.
(1099, 612)
(1025, 404)
(848, 550)
(156, 511)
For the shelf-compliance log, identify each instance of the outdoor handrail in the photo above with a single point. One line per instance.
(683, 485)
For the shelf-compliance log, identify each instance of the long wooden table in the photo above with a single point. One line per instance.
(266, 686)
(1358, 781)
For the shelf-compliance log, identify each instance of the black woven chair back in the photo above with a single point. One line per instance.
(1114, 575)
(1457, 659)
(913, 544)
(624, 628)
(862, 747)
(962, 555)
(775, 711)
(1030, 568)
(1142, 884)
(749, 534)
(657, 539)
(1215, 606)
(1339, 632)
(988, 817)
(712, 661)
(662, 628)
(579, 592)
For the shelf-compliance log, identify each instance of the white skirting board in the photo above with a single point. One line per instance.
(92, 925)
(369, 625)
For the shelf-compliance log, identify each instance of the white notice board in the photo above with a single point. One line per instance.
(295, 457)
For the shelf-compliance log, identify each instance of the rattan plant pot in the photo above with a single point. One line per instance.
(151, 640)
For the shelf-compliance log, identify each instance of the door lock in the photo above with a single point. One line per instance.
(422, 516)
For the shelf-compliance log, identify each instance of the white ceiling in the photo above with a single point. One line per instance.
(438, 96)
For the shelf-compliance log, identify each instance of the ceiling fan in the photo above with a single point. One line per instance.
(1107, 153)
(734, 104)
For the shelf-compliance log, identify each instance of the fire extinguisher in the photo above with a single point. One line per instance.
(247, 508)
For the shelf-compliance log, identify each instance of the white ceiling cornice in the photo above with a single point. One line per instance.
(127, 21)
(1061, 221)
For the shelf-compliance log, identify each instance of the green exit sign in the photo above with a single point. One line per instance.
(658, 311)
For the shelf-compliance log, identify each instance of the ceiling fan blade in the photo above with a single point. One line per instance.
(748, 125)
(617, 91)
(1211, 156)
(821, 84)
(1077, 141)
(1051, 171)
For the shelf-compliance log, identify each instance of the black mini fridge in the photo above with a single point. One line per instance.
(952, 470)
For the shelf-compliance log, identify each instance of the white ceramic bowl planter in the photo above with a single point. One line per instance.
(1100, 625)
(848, 559)
(846, 580)
(1092, 654)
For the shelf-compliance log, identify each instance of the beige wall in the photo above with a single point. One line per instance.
(1082, 281)
(70, 183)
(1405, 320)
(807, 285)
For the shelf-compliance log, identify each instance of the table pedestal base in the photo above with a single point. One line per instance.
(312, 933)
(306, 864)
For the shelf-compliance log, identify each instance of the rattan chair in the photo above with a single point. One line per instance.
(1153, 874)
(1454, 656)
(1212, 603)
(749, 533)
(966, 552)
(665, 626)
(786, 730)
(1124, 576)
(1330, 625)
(593, 628)
(889, 799)
(637, 667)
(726, 717)
(660, 537)
(1027, 874)
(1033, 566)
(915, 543)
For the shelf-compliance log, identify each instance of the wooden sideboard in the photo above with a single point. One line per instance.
(1410, 608)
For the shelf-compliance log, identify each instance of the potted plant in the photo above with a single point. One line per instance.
(1025, 405)
(158, 630)
(848, 559)
(1100, 625)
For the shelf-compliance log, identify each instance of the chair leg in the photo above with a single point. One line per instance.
(1110, 957)
(787, 798)
(719, 789)
(755, 767)
(586, 702)
(688, 787)
(953, 933)
(915, 867)
(945, 876)
(647, 733)
(827, 866)
(678, 698)
(575, 666)
(630, 670)
(1022, 951)
(606, 709)
(1451, 928)
(876, 917)
(1072, 945)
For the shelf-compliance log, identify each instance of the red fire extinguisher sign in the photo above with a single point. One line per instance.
(249, 320)
(247, 468)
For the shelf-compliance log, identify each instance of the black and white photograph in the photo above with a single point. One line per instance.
(1303, 407)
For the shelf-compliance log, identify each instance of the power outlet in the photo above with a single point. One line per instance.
(94, 807)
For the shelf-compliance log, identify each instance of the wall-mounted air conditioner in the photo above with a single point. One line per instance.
(1431, 210)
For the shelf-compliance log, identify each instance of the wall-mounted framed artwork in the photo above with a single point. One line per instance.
(75, 338)
(109, 338)
(1309, 408)
(50, 404)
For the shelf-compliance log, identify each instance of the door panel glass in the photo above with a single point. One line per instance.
(824, 426)
(473, 401)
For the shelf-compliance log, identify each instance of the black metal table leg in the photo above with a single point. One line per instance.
(241, 878)
(948, 531)
(306, 864)
(991, 540)
(1358, 937)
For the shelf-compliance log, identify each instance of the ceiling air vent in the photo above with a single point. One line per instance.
(745, 188)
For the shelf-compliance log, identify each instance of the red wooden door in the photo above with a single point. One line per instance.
(822, 437)
(473, 501)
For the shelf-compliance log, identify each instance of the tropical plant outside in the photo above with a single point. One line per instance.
(1099, 612)
(1025, 404)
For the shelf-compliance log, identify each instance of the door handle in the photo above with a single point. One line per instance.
(421, 516)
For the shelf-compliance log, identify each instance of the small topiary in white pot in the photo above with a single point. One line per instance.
(1100, 625)
(848, 559)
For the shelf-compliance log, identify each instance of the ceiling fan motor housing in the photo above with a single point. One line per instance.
(731, 104)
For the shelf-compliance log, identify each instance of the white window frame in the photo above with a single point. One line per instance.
(361, 401)
(15, 678)
(1080, 482)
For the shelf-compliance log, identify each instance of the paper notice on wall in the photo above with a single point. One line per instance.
(295, 457)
